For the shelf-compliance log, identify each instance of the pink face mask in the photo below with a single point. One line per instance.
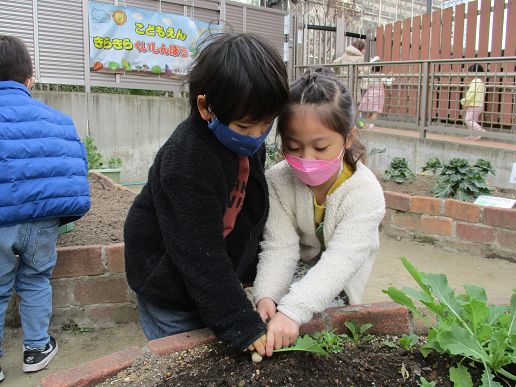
(313, 172)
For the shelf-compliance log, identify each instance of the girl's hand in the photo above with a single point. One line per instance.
(281, 333)
(259, 345)
(267, 309)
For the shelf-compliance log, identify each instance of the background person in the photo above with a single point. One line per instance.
(374, 98)
(43, 185)
(473, 102)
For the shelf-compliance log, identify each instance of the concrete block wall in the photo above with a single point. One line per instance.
(452, 224)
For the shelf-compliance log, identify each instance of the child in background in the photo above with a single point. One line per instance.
(374, 98)
(474, 100)
(43, 185)
(325, 209)
(192, 234)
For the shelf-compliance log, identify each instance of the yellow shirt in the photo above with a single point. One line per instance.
(346, 173)
(475, 94)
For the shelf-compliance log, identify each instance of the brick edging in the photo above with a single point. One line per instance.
(108, 183)
(387, 318)
(452, 224)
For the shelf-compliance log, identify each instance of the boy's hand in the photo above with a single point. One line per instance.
(282, 332)
(267, 308)
(259, 345)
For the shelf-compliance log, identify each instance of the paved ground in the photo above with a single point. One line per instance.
(497, 276)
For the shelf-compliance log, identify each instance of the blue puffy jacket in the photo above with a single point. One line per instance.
(43, 163)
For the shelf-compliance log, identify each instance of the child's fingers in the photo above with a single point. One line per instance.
(251, 348)
(264, 315)
(269, 346)
(259, 345)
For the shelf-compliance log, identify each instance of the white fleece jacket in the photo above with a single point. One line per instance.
(352, 216)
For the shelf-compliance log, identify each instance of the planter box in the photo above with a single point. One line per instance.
(65, 228)
(111, 173)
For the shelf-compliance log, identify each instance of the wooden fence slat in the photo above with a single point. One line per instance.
(396, 45)
(471, 29)
(425, 36)
(415, 52)
(457, 50)
(435, 53)
(387, 50)
(435, 44)
(446, 34)
(508, 108)
(379, 41)
(485, 19)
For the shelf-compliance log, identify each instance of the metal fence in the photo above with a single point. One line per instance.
(426, 95)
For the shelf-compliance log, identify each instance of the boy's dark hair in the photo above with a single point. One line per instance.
(241, 75)
(331, 102)
(15, 61)
(475, 68)
(377, 69)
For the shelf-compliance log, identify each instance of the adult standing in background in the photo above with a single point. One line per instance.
(353, 54)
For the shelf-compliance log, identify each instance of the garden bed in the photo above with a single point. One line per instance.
(369, 364)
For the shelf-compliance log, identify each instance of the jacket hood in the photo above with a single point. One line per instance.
(352, 50)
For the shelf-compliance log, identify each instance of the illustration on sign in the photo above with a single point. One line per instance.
(132, 39)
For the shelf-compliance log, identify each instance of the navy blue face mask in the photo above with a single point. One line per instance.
(240, 144)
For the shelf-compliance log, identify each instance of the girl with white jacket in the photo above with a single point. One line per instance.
(325, 209)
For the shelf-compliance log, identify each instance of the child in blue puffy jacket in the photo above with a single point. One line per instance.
(43, 184)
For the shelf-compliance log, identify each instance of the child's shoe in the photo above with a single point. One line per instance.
(1, 375)
(474, 138)
(371, 128)
(37, 359)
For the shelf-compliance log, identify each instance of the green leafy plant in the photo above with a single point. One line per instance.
(95, 160)
(463, 181)
(329, 341)
(271, 154)
(305, 343)
(433, 165)
(423, 383)
(399, 170)
(466, 325)
(115, 163)
(484, 166)
(357, 333)
(405, 341)
(376, 151)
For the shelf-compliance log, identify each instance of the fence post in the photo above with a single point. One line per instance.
(424, 99)
(340, 38)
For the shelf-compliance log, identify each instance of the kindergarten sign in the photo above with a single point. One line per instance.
(134, 39)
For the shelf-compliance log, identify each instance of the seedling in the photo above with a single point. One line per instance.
(329, 340)
(399, 170)
(424, 383)
(357, 333)
(305, 343)
(405, 341)
(466, 325)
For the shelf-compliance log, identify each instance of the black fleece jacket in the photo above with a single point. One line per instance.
(176, 256)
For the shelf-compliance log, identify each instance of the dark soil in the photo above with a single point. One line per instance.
(370, 364)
